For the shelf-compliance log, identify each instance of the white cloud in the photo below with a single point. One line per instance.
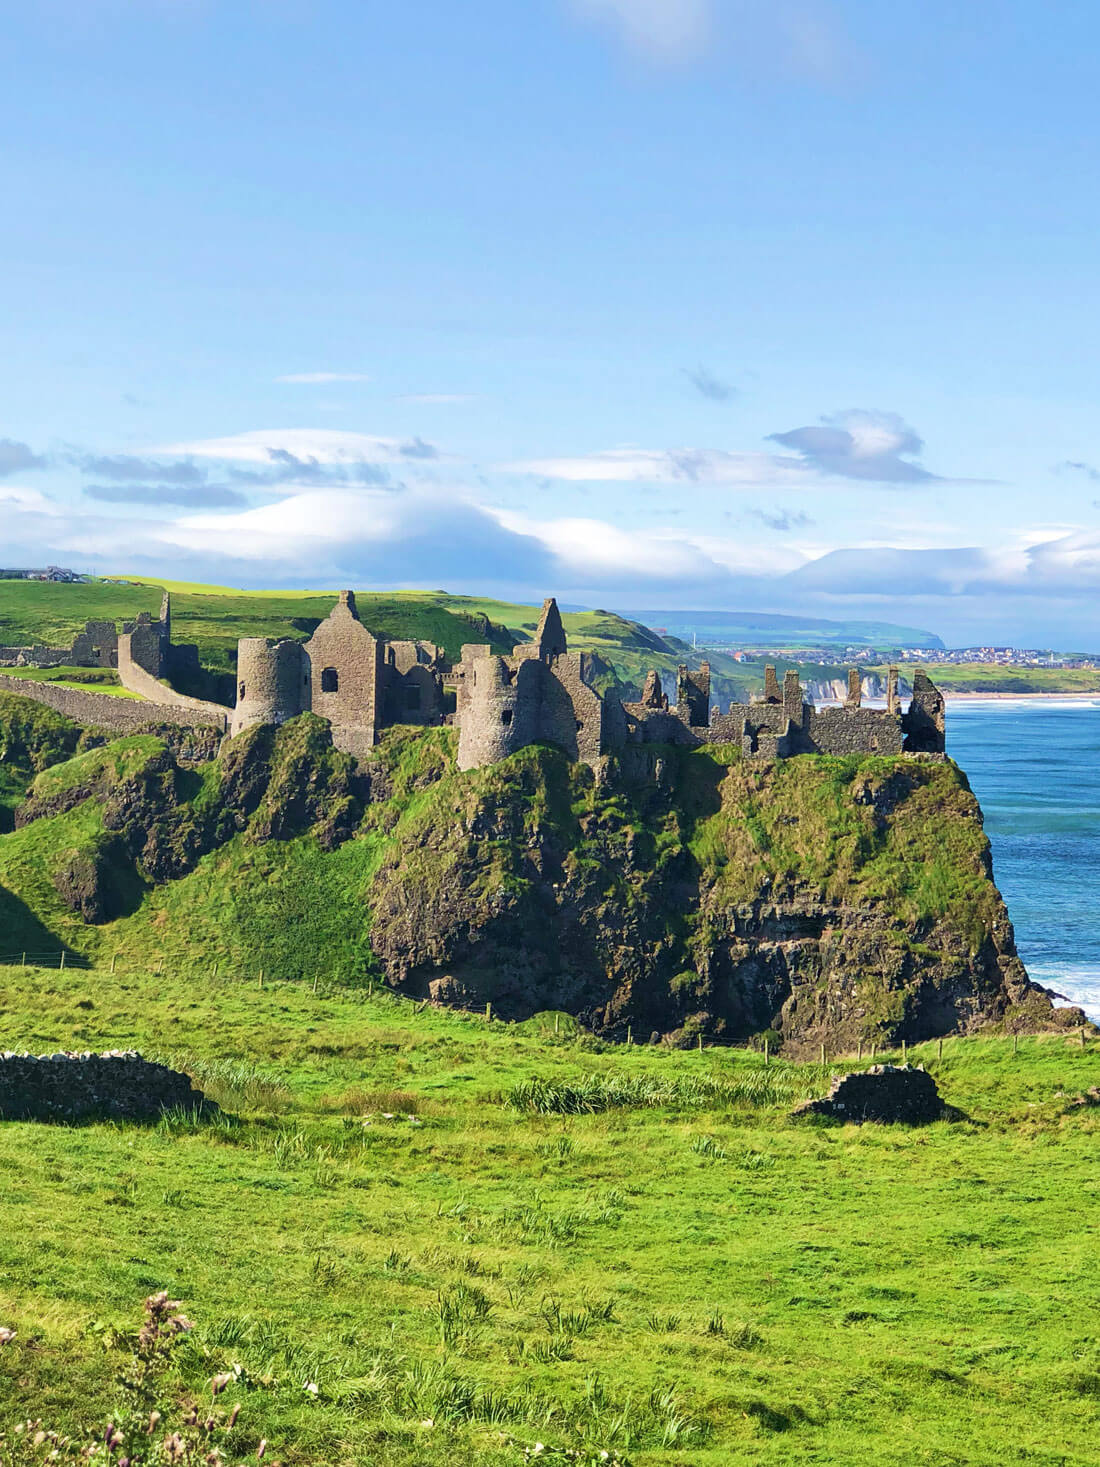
(310, 379)
(326, 445)
(674, 466)
(671, 29)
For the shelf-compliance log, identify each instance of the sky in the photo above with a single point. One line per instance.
(785, 305)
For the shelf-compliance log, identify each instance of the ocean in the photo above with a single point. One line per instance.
(1034, 764)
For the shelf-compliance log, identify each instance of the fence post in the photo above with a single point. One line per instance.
(215, 972)
(23, 964)
(904, 1052)
(113, 956)
(261, 977)
(1081, 1032)
(859, 1049)
(557, 1023)
(765, 1050)
(61, 961)
(489, 1013)
(939, 1047)
(629, 1035)
(823, 1053)
(315, 977)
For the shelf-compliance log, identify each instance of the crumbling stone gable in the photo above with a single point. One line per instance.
(925, 721)
(346, 677)
(693, 694)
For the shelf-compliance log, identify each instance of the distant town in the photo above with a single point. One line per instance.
(832, 656)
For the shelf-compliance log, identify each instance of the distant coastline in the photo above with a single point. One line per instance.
(1072, 697)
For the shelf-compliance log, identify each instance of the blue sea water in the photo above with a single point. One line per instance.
(1034, 764)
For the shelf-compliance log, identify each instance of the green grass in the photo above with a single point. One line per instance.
(83, 679)
(980, 677)
(687, 1276)
(216, 617)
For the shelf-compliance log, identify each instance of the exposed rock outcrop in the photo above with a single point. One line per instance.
(820, 900)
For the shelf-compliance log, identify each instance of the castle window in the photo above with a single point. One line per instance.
(240, 692)
(506, 716)
(580, 725)
(412, 699)
(330, 680)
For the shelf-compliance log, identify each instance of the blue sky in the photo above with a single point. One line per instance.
(723, 303)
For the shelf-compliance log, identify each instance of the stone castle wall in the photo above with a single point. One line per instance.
(347, 677)
(119, 715)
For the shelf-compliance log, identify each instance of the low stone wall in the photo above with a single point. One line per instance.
(119, 1085)
(122, 715)
(890, 1093)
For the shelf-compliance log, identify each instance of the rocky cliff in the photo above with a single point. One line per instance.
(688, 892)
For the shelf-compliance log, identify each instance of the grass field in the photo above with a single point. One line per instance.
(397, 1265)
(84, 679)
(980, 677)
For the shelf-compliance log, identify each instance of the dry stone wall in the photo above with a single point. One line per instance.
(119, 1085)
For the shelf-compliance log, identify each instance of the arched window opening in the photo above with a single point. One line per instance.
(240, 692)
(330, 680)
(506, 717)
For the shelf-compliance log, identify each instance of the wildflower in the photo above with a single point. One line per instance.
(236, 1411)
(39, 1438)
(311, 1388)
(174, 1449)
(6, 1335)
(219, 1383)
(262, 1448)
(428, 1421)
(154, 1421)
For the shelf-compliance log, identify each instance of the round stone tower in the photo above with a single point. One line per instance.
(272, 682)
(498, 713)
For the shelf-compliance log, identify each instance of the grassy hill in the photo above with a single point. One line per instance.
(395, 1261)
(215, 617)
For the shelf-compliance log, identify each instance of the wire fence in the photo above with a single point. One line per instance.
(62, 959)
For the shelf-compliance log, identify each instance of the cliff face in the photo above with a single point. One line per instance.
(822, 899)
(689, 892)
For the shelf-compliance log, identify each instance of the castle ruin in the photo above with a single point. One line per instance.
(540, 692)
(359, 682)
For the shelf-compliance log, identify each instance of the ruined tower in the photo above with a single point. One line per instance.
(272, 682)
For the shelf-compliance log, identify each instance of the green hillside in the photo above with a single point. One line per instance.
(389, 1258)
(216, 617)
